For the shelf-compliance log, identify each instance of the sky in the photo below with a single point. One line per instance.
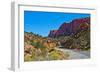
(42, 22)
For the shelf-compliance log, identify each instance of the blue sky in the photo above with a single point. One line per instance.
(42, 22)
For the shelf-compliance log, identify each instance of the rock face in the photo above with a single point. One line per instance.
(52, 33)
(71, 28)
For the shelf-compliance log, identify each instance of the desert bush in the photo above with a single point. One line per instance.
(54, 55)
(28, 58)
(58, 55)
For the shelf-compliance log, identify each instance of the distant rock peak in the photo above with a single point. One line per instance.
(72, 27)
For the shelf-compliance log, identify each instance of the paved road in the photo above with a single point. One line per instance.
(76, 54)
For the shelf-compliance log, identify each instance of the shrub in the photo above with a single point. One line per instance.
(54, 55)
(28, 58)
(58, 55)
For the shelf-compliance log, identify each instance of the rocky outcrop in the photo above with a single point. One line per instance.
(38, 48)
